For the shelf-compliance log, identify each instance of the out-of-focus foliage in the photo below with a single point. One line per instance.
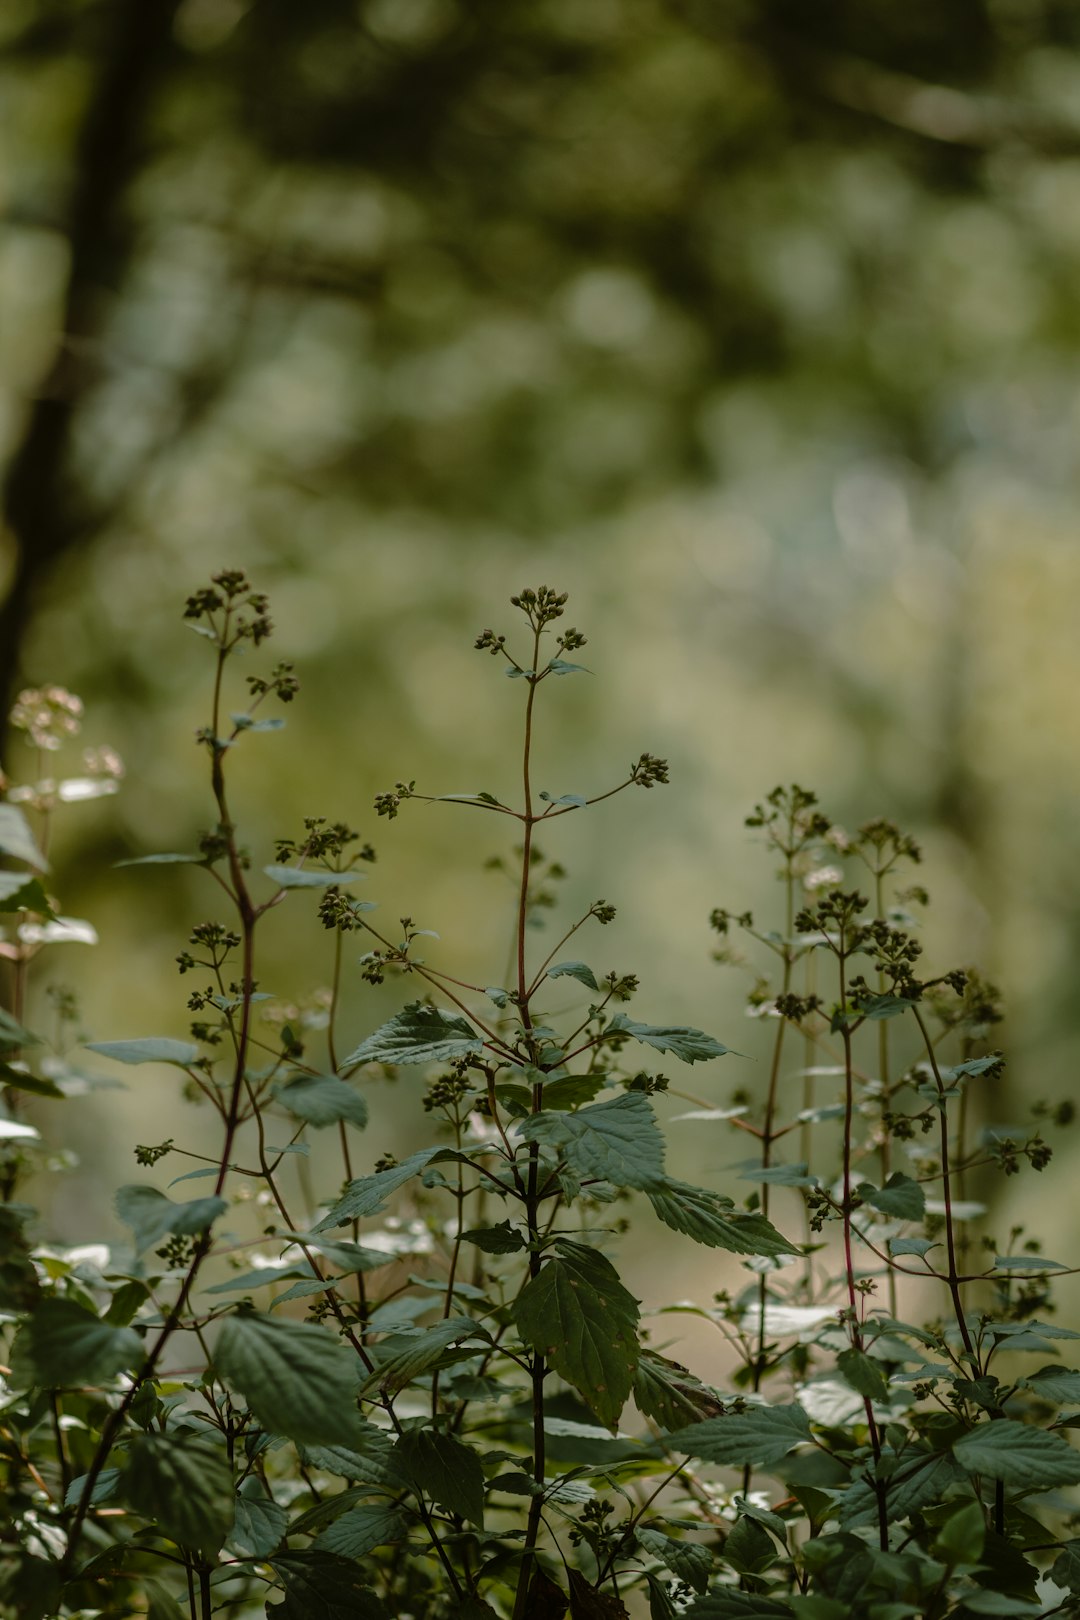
(752, 324)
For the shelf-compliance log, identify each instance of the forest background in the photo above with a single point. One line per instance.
(752, 325)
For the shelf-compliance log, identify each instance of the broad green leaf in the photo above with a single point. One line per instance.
(161, 1605)
(960, 1539)
(21, 893)
(259, 1527)
(728, 1604)
(104, 1490)
(689, 1560)
(13, 1035)
(1060, 1384)
(416, 1355)
(447, 1471)
(19, 1080)
(1065, 1569)
(1027, 1262)
(261, 1278)
(559, 666)
(577, 1313)
(17, 840)
(759, 1435)
(660, 1605)
(419, 1034)
(151, 1050)
(322, 1099)
(1005, 1604)
(348, 1257)
(183, 1483)
(887, 1006)
(690, 1045)
(900, 1197)
(749, 1548)
(777, 1175)
(299, 877)
(151, 1215)
(368, 1455)
(669, 1393)
(321, 1586)
(588, 1602)
(62, 1345)
(501, 1239)
(1020, 1455)
(862, 1374)
(616, 1141)
(915, 1482)
(297, 1378)
(361, 1529)
(709, 1218)
(370, 1194)
(574, 970)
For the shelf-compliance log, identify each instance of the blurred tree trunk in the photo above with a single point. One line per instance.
(44, 511)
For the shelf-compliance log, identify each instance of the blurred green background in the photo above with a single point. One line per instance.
(754, 326)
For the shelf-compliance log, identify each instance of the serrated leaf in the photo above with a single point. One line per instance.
(1065, 1570)
(62, 1345)
(321, 1586)
(417, 1354)
(104, 1488)
(297, 1378)
(577, 1313)
(321, 1100)
(689, 1045)
(616, 1141)
(1020, 1455)
(151, 1215)
(150, 1050)
(900, 1197)
(669, 1393)
(360, 1530)
(875, 1008)
(419, 1033)
(259, 1527)
(862, 1374)
(500, 1239)
(182, 1482)
(1060, 1384)
(709, 1218)
(370, 1194)
(574, 970)
(447, 1471)
(759, 1435)
(367, 1456)
(915, 1483)
(262, 1278)
(301, 877)
(689, 1560)
(17, 840)
(587, 1602)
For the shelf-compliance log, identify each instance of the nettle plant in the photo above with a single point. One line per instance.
(429, 1392)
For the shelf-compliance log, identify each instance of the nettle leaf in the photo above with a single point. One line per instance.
(915, 1483)
(418, 1354)
(259, 1527)
(444, 1469)
(900, 1197)
(150, 1050)
(151, 1215)
(62, 1344)
(419, 1034)
(321, 1586)
(17, 840)
(875, 1008)
(690, 1045)
(297, 1378)
(360, 1530)
(759, 1435)
(574, 970)
(1065, 1570)
(577, 1313)
(183, 1482)
(299, 877)
(1060, 1384)
(709, 1218)
(501, 1239)
(322, 1099)
(862, 1374)
(367, 1456)
(616, 1141)
(105, 1488)
(587, 1602)
(728, 1604)
(689, 1560)
(670, 1393)
(1018, 1454)
(370, 1194)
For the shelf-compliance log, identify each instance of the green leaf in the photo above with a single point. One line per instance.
(104, 1490)
(13, 1035)
(616, 1141)
(19, 1285)
(574, 970)
(728, 1604)
(163, 860)
(709, 1218)
(901, 1197)
(17, 840)
(689, 1560)
(760, 1435)
(418, 1354)
(419, 1034)
(915, 1483)
(322, 1099)
(21, 893)
(1060, 1384)
(367, 1457)
(183, 1483)
(151, 1050)
(361, 1529)
(960, 1539)
(19, 1080)
(259, 1527)
(1018, 1454)
(261, 1278)
(62, 1345)
(1065, 1570)
(161, 1604)
(151, 1215)
(888, 1006)
(370, 1194)
(320, 1586)
(669, 1393)
(862, 1374)
(577, 1313)
(298, 877)
(501, 1239)
(559, 666)
(691, 1045)
(447, 1471)
(777, 1175)
(588, 1602)
(297, 1378)
(660, 1605)
(1027, 1262)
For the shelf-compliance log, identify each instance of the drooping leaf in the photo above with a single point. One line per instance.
(151, 1050)
(690, 1045)
(360, 1530)
(370, 1194)
(17, 840)
(419, 1034)
(299, 877)
(21, 893)
(322, 1099)
(574, 970)
(151, 1215)
(559, 666)
(862, 1374)
(577, 1313)
(900, 1197)
(689, 1560)
(418, 1354)
(961, 1538)
(587, 1602)
(1065, 1570)
(20, 1080)
(914, 1483)
(366, 1457)
(13, 1035)
(183, 1483)
(320, 1586)
(500, 1239)
(105, 1488)
(885, 1006)
(1060, 1384)
(297, 1378)
(669, 1393)
(709, 1218)
(62, 1345)
(447, 1471)
(616, 1141)
(258, 1528)
(759, 1435)
(728, 1604)
(1019, 1454)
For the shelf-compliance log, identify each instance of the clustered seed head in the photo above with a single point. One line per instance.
(388, 804)
(649, 770)
(48, 715)
(247, 611)
(540, 606)
(281, 682)
(488, 641)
